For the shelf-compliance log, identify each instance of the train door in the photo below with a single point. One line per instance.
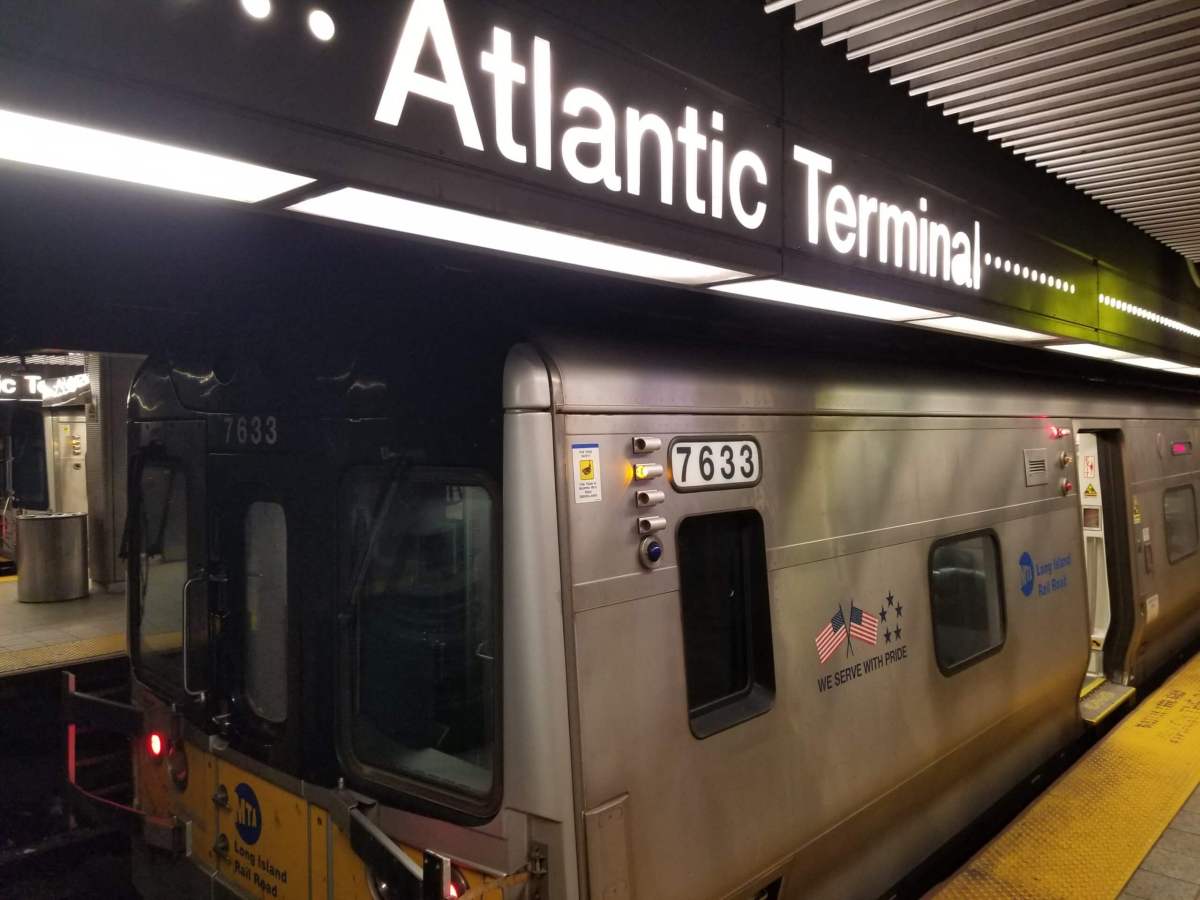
(261, 825)
(1111, 611)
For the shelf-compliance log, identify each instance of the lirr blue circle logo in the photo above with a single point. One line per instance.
(1027, 574)
(248, 814)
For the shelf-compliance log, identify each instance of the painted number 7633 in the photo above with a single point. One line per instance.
(251, 431)
(705, 465)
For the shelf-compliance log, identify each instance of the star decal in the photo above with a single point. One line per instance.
(890, 599)
(897, 632)
(887, 637)
(899, 610)
(882, 615)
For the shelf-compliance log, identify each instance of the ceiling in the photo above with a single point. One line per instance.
(1105, 94)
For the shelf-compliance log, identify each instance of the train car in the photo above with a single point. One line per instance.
(579, 617)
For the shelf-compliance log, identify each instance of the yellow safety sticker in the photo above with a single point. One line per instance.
(1137, 511)
(1090, 491)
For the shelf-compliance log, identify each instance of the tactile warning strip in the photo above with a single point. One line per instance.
(32, 658)
(1086, 835)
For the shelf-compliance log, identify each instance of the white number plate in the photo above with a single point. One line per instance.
(707, 465)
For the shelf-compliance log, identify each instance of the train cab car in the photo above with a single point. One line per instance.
(572, 618)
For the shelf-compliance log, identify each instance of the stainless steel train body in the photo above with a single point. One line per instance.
(862, 616)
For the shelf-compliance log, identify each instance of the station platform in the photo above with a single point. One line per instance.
(1124, 821)
(37, 636)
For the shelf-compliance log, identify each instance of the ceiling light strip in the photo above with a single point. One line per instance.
(473, 230)
(36, 141)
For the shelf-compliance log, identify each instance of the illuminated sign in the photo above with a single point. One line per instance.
(34, 388)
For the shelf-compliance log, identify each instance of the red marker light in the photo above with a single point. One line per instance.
(452, 892)
(155, 744)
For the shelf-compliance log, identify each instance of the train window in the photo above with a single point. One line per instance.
(725, 605)
(163, 555)
(266, 621)
(1179, 515)
(966, 597)
(423, 557)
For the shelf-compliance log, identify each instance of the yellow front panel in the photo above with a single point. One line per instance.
(195, 805)
(267, 830)
(349, 873)
(318, 851)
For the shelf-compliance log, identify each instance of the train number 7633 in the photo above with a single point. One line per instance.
(707, 465)
(250, 431)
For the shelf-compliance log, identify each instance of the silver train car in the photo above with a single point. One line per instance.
(772, 625)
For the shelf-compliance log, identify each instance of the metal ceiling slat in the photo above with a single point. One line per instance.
(1102, 94)
(1086, 78)
(1170, 78)
(1122, 34)
(1073, 136)
(985, 34)
(1100, 146)
(851, 31)
(971, 15)
(1123, 113)
(840, 9)
(1135, 150)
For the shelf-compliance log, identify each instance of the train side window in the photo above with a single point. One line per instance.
(1179, 514)
(266, 622)
(966, 598)
(725, 605)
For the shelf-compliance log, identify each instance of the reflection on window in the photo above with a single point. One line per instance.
(422, 554)
(164, 568)
(725, 608)
(1179, 514)
(265, 642)
(964, 586)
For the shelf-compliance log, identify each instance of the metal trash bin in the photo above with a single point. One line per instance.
(52, 560)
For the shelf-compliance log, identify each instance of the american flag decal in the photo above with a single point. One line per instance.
(863, 626)
(832, 636)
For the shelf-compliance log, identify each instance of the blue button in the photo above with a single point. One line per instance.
(654, 551)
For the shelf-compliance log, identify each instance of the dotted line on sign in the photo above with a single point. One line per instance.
(1156, 318)
(1015, 268)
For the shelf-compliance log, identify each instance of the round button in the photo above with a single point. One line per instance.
(654, 551)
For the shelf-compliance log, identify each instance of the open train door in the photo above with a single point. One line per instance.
(1107, 539)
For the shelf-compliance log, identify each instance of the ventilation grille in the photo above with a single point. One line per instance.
(1036, 471)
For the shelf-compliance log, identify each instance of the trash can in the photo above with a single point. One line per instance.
(52, 562)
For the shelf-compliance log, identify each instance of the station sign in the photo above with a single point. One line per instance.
(510, 112)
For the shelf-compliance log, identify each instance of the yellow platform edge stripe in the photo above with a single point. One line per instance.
(33, 658)
(8, 579)
(1088, 833)
(1091, 684)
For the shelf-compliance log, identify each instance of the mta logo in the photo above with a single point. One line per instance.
(1027, 574)
(249, 815)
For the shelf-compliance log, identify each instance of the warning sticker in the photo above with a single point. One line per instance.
(1137, 511)
(585, 463)
(1089, 467)
(1090, 491)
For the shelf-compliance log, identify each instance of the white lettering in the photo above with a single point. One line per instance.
(604, 136)
(636, 128)
(716, 161)
(904, 233)
(839, 213)
(939, 261)
(693, 144)
(960, 265)
(742, 161)
(814, 163)
(429, 18)
(8, 385)
(867, 207)
(543, 107)
(505, 73)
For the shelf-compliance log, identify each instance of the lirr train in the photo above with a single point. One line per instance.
(575, 618)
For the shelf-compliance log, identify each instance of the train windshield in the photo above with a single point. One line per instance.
(421, 549)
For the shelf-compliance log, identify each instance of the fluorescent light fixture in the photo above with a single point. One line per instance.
(824, 299)
(1194, 371)
(74, 148)
(444, 224)
(978, 328)
(1093, 351)
(1151, 362)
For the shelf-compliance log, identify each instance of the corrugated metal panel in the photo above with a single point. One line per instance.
(1105, 94)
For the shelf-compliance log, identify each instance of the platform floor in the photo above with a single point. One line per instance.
(1123, 822)
(39, 635)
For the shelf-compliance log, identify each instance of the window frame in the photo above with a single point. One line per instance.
(400, 789)
(758, 697)
(1195, 520)
(1001, 596)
